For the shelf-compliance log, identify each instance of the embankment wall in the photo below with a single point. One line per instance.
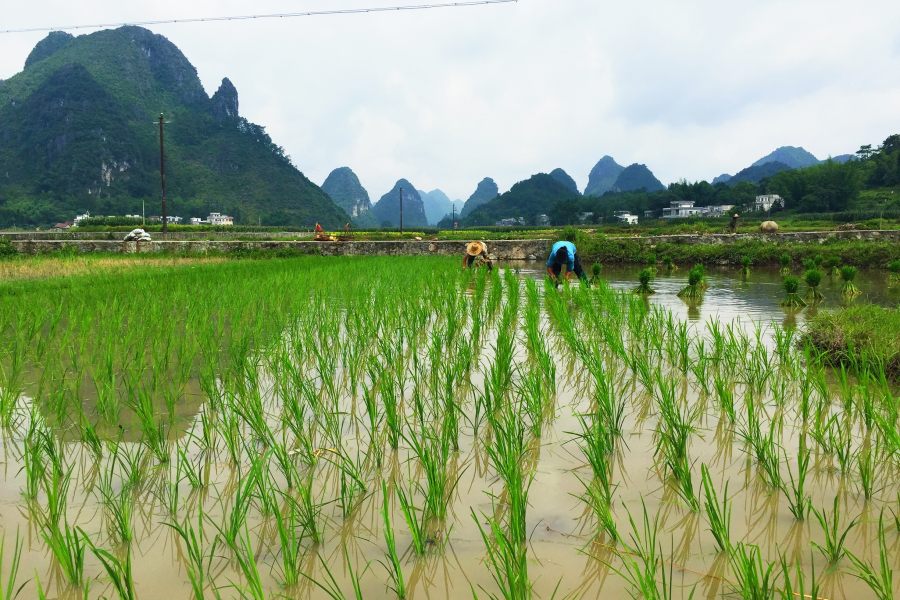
(497, 250)
(803, 237)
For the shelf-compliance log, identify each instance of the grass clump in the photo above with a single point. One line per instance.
(669, 264)
(746, 261)
(791, 285)
(644, 278)
(596, 270)
(845, 337)
(848, 274)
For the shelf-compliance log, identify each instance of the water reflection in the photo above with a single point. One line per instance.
(731, 295)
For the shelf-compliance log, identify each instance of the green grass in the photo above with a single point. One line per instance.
(846, 336)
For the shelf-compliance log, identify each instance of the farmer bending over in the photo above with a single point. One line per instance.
(564, 253)
(476, 252)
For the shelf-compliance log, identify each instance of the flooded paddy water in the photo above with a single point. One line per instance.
(384, 427)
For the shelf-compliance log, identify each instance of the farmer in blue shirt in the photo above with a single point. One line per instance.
(563, 253)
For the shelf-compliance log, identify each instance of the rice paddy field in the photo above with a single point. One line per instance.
(390, 427)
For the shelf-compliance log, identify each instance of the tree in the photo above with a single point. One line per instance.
(865, 152)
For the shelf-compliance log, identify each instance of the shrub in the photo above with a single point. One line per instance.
(7, 250)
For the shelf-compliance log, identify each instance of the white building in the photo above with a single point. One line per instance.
(626, 217)
(585, 216)
(717, 210)
(766, 202)
(680, 209)
(172, 219)
(542, 219)
(219, 219)
(197, 221)
(79, 218)
(511, 222)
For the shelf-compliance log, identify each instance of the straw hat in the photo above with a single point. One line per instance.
(736, 216)
(475, 248)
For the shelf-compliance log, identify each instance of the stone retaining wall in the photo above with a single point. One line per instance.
(803, 237)
(497, 250)
(172, 235)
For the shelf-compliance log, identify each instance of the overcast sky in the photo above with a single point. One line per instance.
(447, 97)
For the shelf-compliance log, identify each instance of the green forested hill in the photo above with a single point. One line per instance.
(540, 194)
(77, 132)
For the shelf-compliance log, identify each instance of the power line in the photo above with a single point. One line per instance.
(348, 11)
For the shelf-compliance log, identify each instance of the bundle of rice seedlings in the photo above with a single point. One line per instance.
(791, 285)
(644, 288)
(813, 278)
(785, 264)
(848, 274)
(693, 290)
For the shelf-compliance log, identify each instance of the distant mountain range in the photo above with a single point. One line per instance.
(757, 173)
(344, 188)
(782, 159)
(637, 177)
(77, 134)
(486, 191)
(527, 199)
(790, 156)
(608, 176)
(387, 210)
(565, 179)
(438, 205)
(603, 177)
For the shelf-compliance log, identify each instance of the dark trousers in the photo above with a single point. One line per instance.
(557, 268)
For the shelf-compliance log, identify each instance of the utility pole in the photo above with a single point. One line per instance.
(453, 227)
(401, 211)
(162, 174)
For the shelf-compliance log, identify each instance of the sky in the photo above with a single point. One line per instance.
(446, 97)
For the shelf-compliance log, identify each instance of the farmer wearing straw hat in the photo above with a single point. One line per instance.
(476, 252)
(562, 254)
(734, 223)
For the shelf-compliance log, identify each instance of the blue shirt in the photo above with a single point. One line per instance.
(570, 255)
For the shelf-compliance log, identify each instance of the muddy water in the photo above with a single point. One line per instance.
(564, 549)
(753, 297)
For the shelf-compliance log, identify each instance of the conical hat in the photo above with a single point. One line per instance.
(475, 248)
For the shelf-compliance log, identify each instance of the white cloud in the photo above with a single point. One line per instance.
(447, 97)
